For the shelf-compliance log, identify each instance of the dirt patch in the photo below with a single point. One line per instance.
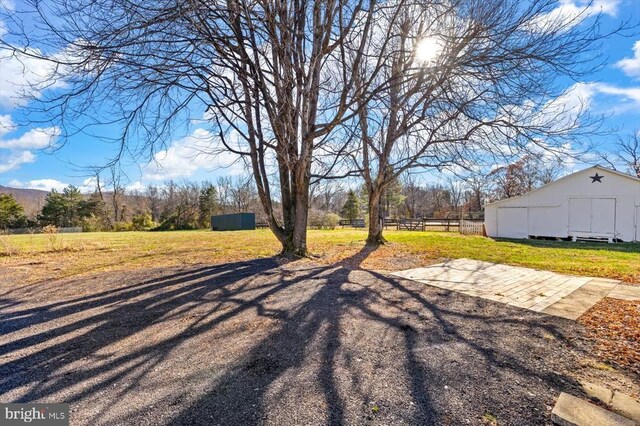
(263, 343)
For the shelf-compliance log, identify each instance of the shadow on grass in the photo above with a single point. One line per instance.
(344, 345)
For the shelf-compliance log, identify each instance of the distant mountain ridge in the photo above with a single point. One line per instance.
(31, 200)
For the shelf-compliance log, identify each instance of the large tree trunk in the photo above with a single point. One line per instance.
(375, 220)
(294, 191)
(299, 248)
(294, 235)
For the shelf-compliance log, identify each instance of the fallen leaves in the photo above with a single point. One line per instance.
(615, 326)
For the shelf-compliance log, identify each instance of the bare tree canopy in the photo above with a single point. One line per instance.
(295, 87)
(467, 82)
(522, 176)
(270, 75)
(626, 154)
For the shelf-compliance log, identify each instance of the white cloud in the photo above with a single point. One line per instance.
(32, 139)
(629, 94)
(574, 100)
(8, 5)
(15, 160)
(581, 96)
(17, 151)
(135, 186)
(88, 185)
(570, 13)
(42, 184)
(631, 66)
(6, 124)
(24, 76)
(198, 151)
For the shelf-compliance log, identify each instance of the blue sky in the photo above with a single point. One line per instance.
(27, 160)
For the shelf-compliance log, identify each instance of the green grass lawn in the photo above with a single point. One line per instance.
(59, 255)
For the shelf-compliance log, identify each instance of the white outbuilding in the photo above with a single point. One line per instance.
(593, 203)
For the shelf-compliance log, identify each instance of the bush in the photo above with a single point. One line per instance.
(50, 229)
(143, 222)
(331, 220)
(175, 223)
(95, 224)
(122, 226)
(54, 240)
(322, 220)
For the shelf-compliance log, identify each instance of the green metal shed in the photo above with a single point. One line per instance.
(233, 222)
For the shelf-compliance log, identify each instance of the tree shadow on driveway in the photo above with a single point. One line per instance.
(258, 342)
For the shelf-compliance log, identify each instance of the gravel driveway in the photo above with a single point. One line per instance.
(263, 343)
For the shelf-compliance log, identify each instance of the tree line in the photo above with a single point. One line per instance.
(186, 204)
(170, 206)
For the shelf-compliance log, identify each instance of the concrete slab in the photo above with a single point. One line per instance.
(626, 405)
(572, 411)
(625, 292)
(542, 291)
(597, 391)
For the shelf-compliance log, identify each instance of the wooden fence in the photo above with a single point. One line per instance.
(428, 224)
(356, 223)
(472, 227)
(464, 226)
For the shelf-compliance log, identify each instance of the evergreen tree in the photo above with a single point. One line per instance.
(208, 204)
(75, 206)
(53, 211)
(11, 213)
(351, 208)
(66, 209)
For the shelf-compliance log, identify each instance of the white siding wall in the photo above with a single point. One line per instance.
(607, 209)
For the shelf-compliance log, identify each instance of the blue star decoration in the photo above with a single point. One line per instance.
(596, 178)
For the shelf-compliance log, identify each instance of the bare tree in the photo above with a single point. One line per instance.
(456, 192)
(476, 184)
(466, 82)
(154, 201)
(626, 154)
(327, 195)
(524, 175)
(117, 193)
(271, 76)
(412, 191)
(99, 193)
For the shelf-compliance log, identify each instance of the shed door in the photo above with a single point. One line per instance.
(512, 222)
(543, 221)
(603, 215)
(638, 223)
(580, 214)
(592, 215)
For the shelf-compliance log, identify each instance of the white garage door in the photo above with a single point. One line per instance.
(637, 223)
(512, 222)
(595, 216)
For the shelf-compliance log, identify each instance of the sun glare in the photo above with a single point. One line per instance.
(427, 50)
